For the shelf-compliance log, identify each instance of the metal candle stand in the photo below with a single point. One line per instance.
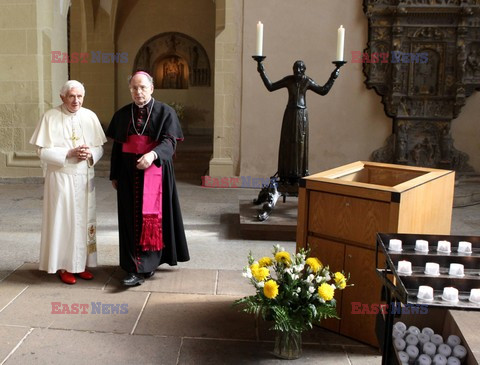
(404, 287)
(278, 187)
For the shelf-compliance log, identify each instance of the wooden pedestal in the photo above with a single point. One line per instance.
(341, 210)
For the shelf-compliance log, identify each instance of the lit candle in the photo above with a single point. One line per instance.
(259, 39)
(340, 42)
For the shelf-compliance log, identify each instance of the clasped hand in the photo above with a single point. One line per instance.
(81, 152)
(146, 161)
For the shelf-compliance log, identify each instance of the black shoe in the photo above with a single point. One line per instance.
(148, 275)
(133, 279)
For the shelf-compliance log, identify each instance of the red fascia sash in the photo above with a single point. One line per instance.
(151, 238)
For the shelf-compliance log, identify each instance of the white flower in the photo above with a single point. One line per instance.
(247, 273)
(299, 290)
(298, 268)
(294, 276)
(318, 279)
(260, 284)
(311, 289)
(327, 276)
(310, 278)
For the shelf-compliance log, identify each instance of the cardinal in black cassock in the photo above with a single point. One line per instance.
(150, 224)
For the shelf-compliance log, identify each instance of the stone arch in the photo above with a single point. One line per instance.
(175, 60)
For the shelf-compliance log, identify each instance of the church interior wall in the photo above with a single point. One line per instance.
(347, 124)
(150, 18)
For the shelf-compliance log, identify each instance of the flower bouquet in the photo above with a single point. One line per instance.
(295, 292)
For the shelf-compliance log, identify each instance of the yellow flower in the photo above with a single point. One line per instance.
(314, 263)
(270, 289)
(261, 273)
(265, 261)
(338, 276)
(326, 291)
(340, 280)
(283, 257)
(254, 266)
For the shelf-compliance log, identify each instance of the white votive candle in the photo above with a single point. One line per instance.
(411, 340)
(444, 246)
(396, 333)
(430, 349)
(436, 339)
(395, 245)
(404, 267)
(425, 292)
(413, 330)
(400, 326)
(456, 270)
(450, 294)
(421, 245)
(460, 352)
(453, 340)
(439, 360)
(464, 247)
(423, 338)
(428, 331)
(432, 268)
(412, 352)
(475, 296)
(444, 349)
(424, 360)
(452, 360)
(399, 344)
(403, 357)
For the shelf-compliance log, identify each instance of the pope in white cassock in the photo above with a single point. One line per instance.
(69, 140)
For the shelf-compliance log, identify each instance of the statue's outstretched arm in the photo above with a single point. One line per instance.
(266, 81)
(323, 90)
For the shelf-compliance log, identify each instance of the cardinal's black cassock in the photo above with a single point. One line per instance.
(150, 221)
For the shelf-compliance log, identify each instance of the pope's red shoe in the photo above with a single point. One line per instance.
(86, 275)
(67, 277)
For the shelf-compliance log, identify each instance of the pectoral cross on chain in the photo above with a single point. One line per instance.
(74, 138)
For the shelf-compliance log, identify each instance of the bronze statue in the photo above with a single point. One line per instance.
(293, 149)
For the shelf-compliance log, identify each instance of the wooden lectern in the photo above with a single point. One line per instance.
(341, 210)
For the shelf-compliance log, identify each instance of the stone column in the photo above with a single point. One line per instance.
(30, 82)
(228, 49)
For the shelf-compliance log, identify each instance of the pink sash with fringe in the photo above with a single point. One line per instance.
(151, 238)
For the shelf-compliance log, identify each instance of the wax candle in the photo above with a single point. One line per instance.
(340, 42)
(424, 360)
(429, 349)
(474, 295)
(259, 51)
(444, 349)
(460, 352)
(453, 340)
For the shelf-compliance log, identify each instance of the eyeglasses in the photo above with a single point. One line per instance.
(142, 88)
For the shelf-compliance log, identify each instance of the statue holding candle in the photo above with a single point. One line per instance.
(293, 149)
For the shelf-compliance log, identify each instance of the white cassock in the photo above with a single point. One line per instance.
(69, 222)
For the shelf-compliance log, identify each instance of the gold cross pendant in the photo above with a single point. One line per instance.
(74, 139)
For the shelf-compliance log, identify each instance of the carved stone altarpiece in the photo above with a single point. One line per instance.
(423, 98)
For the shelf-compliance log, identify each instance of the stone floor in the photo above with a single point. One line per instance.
(183, 315)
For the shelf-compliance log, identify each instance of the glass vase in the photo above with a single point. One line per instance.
(288, 345)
